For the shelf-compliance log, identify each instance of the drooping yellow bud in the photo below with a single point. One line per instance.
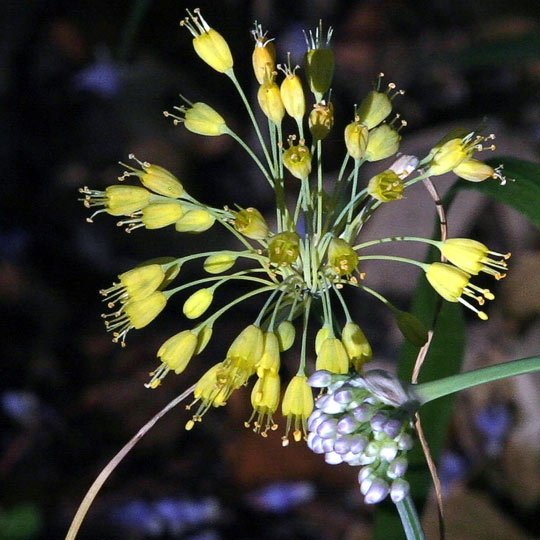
(356, 139)
(203, 120)
(264, 54)
(284, 248)
(178, 350)
(285, 333)
(292, 95)
(296, 406)
(219, 263)
(251, 223)
(375, 108)
(383, 142)
(270, 359)
(412, 328)
(203, 338)
(322, 335)
(143, 312)
(356, 345)
(269, 98)
(208, 44)
(140, 282)
(161, 214)
(332, 357)
(342, 257)
(195, 221)
(297, 159)
(321, 120)
(386, 186)
(474, 170)
(198, 303)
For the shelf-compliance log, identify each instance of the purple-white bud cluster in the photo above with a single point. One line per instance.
(352, 425)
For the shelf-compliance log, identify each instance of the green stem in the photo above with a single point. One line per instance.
(233, 78)
(422, 265)
(410, 520)
(397, 239)
(429, 391)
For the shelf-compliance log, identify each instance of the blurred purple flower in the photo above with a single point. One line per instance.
(452, 468)
(20, 406)
(102, 77)
(494, 422)
(281, 497)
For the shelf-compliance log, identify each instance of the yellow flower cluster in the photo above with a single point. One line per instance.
(301, 265)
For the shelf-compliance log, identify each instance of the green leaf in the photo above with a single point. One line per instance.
(444, 359)
(523, 193)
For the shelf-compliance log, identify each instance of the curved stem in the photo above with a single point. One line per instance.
(429, 391)
(109, 468)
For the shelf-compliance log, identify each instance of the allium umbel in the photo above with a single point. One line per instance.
(305, 262)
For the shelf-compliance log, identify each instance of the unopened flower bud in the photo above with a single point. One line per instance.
(161, 214)
(320, 379)
(195, 221)
(397, 468)
(322, 334)
(412, 329)
(203, 338)
(270, 359)
(399, 490)
(386, 186)
(292, 95)
(219, 263)
(377, 492)
(285, 333)
(251, 223)
(198, 303)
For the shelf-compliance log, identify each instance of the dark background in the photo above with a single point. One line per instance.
(83, 84)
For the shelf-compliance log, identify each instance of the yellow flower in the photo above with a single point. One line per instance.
(160, 214)
(248, 347)
(270, 360)
(321, 120)
(451, 283)
(342, 257)
(135, 284)
(251, 223)
(135, 314)
(203, 338)
(284, 248)
(155, 178)
(203, 120)
(175, 355)
(195, 221)
(472, 257)
(386, 186)
(265, 400)
(264, 54)
(383, 142)
(357, 346)
(116, 200)
(297, 159)
(375, 107)
(198, 303)
(332, 356)
(356, 139)
(296, 406)
(208, 44)
(269, 98)
(322, 335)
(292, 95)
(474, 170)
